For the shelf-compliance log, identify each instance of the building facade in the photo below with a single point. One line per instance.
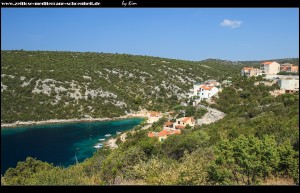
(204, 91)
(289, 85)
(270, 67)
(182, 122)
(287, 67)
(250, 71)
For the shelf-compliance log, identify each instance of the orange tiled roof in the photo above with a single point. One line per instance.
(186, 119)
(266, 63)
(163, 133)
(206, 87)
(154, 114)
(151, 134)
(169, 123)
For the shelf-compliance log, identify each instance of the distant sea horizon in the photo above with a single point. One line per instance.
(58, 143)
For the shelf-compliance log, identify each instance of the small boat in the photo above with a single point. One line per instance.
(107, 135)
(99, 145)
(101, 139)
(118, 132)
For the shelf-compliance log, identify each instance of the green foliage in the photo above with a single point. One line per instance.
(24, 171)
(192, 170)
(288, 73)
(190, 111)
(175, 146)
(248, 160)
(200, 113)
(289, 161)
(119, 162)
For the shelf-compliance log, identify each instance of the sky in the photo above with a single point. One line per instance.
(235, 34)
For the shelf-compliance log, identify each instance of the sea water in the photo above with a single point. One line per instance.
(60, 144)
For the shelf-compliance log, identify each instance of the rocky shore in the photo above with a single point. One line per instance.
(51, 121)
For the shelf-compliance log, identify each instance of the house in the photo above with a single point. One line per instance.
(250, 71)
(162, 135)
(289, 85)
(270, 67)
(194, 90)
(287, 67)
(182, 122)
(206, 91)
(153, 116)
(168, 125)
(203, 91)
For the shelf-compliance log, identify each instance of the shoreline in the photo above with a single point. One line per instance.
(53, 121)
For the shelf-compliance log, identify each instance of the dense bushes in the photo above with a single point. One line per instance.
(249, 160)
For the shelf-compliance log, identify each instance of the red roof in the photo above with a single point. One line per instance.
(154, 114)
(163, 133)
(169, 123)
(247, 68)
(179, 127)
(151, 134)
(266, 63)
(186, 119)
(206, 87)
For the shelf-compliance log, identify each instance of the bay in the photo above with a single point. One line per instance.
(60, 144)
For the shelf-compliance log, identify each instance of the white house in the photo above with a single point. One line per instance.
(182, 122)
(204, 91)
(289, 85)
(194, 90)
(207, 91)
(270, 67)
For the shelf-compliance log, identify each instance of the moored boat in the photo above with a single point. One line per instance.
(99, 145)
(107, 135)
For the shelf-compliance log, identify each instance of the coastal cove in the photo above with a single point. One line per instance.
(58, 143)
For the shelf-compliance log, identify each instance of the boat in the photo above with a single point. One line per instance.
(107, 135)
(118, 132)
(101, 139)
(99, 145)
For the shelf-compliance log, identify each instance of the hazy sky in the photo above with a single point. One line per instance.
(181, 33)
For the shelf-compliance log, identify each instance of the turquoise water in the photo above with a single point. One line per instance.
(57, 143)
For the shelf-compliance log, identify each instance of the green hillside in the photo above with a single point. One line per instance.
(257, 142)
(42, 85)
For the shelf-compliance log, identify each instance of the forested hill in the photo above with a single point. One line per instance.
(41, 85)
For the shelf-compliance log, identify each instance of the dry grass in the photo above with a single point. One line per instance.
(278, 181)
